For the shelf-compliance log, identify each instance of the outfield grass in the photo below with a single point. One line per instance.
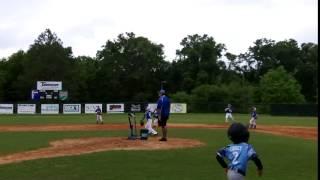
(284, 158)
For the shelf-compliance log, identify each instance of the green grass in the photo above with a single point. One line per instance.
(174, 118)
(284, 158)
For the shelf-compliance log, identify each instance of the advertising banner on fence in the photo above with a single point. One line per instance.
(49, 108)
(6, 108)
(174, 107)
(91, 108)
(152, 106)
(115, 108)
(26, 109)
(71, 108)
(63, 95)
(135, 108)
(178, 108)
(49, 85)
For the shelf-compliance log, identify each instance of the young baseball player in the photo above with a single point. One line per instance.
(254, 117)
(155, 119)
(148, 117)
(99, 115)
(228, 112)
(238, 154)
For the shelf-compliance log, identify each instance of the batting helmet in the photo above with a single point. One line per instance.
(238, 133)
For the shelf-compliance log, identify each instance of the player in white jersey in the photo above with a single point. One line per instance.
(148, 117)
(228, 112)
(99, 115)
(254, 117)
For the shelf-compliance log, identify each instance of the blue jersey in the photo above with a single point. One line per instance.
(238, 155)
(254, 114)
(228, 110)
(148, 115)
(98, 111)
(164, 106)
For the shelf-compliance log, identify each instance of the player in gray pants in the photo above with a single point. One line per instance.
(234, 175)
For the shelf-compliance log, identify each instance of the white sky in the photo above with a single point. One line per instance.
(86, 25)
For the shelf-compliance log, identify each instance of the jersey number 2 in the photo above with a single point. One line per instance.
(235, 157)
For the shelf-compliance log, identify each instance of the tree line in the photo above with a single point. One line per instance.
(131, 68)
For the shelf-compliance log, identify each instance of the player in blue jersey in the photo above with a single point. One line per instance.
(228, 112)
(238, 154)
(163, 110)
(254, 117)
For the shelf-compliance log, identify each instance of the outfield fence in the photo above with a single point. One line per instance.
(122, 107)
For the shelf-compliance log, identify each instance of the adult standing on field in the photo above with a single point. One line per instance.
(163, 110)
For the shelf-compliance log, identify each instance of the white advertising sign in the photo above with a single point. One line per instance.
(91, 108)
(26, 109)
(135, 107)
(71, 108)
(174, 107)
(152, 106)
(178, 108)
(115, 108)
(6, 108)
(49, 85)
(49, 108)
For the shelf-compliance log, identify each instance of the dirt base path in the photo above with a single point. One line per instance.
(68, 147)
(291, 131)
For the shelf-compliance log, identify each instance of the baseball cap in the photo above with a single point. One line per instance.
(162, 91)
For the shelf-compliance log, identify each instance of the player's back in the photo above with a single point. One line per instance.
(164, 105)
(238, 155)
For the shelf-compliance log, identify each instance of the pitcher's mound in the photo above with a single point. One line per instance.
(68, 147)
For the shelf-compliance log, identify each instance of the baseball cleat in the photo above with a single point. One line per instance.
(163, 139)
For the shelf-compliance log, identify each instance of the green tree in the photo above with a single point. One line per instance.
(47, 60)
(307, 71)
(198, 60)
(10, 70)
(181, 96)
(85, 72)
(267, 54)
(2, 79)
(131, 69)
(278, 86)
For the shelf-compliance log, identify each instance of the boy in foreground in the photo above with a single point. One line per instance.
(238, 153)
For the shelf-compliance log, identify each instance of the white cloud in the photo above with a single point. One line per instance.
(86, 25)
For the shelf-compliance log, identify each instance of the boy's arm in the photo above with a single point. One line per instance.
(258, 163)
(222, 162)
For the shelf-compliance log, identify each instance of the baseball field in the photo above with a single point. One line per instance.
(72, 147)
